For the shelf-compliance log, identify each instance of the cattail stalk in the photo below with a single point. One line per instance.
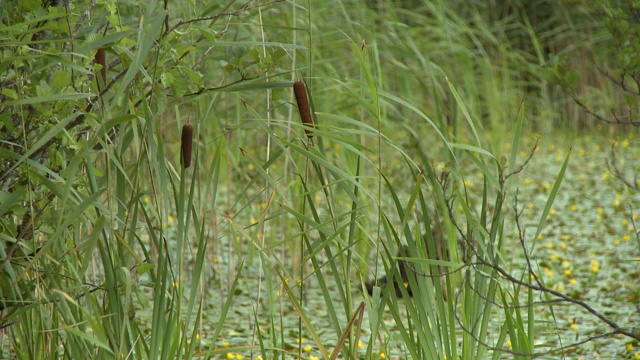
(300, 91)
(186, 145)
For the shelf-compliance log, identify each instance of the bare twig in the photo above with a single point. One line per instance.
(614, 169)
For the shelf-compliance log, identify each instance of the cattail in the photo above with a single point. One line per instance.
(187, 142)
(100, 58)
(303, 106)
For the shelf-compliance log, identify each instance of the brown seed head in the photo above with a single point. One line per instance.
(186, 145)
(100, 58)
(300, 91)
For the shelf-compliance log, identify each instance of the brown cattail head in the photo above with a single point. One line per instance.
(186, 145)
(101, 59)
(300, 91)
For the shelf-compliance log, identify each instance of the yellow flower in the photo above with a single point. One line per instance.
(572, 281)
(626, 237)
(629, 346)
(230, 356)
(624, 222)
(239, 356)
(307, 348)
(549, 245)
(600, 210)
(382, 355)
(574, 207)
(552, 211)
(567, 271)
(548, 272)
(616, 242)
(360, 344)
(563, 246)
(574, 326)
(565, 262)
(530, 205)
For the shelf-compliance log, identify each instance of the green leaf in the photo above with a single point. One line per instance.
(8, 92)
(49, 98)
(180, 84)
(167, 79)
(60, 80)
(159, 101)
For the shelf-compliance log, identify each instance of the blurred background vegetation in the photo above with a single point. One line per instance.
(435, 124)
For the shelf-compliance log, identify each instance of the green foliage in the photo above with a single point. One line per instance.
(80, 155)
